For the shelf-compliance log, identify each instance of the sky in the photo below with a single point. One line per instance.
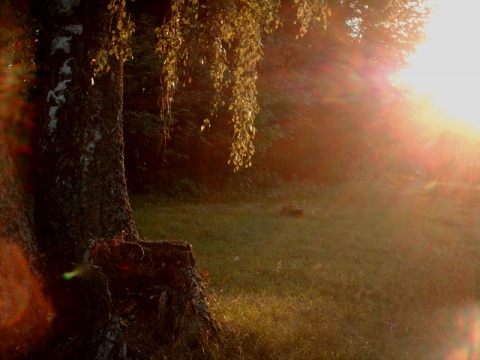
(446, 66)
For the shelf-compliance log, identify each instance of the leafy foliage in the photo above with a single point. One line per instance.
(309, 12)
(229, 35)
(318, 103)
(118, 42)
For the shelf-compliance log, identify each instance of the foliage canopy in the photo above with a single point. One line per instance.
(225, 38)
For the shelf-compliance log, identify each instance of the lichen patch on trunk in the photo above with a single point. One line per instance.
(57, 96)
(61, 43)
(66, 69)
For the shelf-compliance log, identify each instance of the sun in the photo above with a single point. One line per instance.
(446, 67)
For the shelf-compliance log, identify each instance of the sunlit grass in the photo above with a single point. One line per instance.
(386, 270)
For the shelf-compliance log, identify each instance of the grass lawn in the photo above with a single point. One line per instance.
(386, 270)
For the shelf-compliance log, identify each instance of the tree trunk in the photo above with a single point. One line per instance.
(83, 217)
(81, 194)
(15, 224)
(24, 312)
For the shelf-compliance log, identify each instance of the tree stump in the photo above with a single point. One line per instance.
(133, 301)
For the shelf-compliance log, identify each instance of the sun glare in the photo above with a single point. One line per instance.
(446, 66)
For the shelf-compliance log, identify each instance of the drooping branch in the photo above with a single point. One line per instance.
(227, 35)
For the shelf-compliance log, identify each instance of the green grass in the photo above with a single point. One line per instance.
(387, 270)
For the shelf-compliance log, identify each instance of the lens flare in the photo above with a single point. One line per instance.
(69, 275)
(446, 66)
(462, 340)
(25, 314)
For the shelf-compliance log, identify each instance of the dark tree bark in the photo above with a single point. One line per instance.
(15, 224)
(81, 194)
(83, 218)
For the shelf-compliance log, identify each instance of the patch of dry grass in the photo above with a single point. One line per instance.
(386, 270)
